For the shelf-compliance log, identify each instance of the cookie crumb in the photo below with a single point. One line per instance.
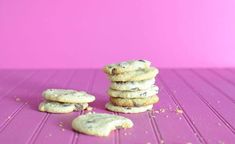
(162, 110)
(89, 108)
(179, 111)
(156, 111)
(17, 99)
(61, 125)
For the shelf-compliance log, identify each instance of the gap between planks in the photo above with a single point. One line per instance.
(18, 84)
(222, 77)
(215, 87)
(214, 111)
(18, 110)
(185, 115)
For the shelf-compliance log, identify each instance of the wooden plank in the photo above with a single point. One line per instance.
(9, 98)
(170, 119)
(225, 75)
(18, 98)
(204, 121)
(215, 101)
(30, 115)
(11, 82)
(219, 84)
(6, 73)
(4, 77)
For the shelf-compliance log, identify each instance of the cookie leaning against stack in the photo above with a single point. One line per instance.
(65, 101)
(132, 88)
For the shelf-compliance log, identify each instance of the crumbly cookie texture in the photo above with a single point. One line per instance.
(138, 75)
(153, 90)
(68, 96)
(120, 109)
(132, 85)
(134, 102)
(56, 107)
(100, 124)
(126, 66)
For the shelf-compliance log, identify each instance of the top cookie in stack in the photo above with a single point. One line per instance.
(132, 89)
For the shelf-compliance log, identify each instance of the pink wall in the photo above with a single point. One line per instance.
(91, 33)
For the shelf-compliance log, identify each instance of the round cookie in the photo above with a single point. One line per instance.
(138, 75)
(100, 124)
(133, 85)
(134, 102)
(126, 66)
(68, 96)
(56, 107)
(134, 94)
(120, 109)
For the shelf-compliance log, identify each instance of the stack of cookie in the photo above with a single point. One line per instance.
(65, 101)
(132, 88)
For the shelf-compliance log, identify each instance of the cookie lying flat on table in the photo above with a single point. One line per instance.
(126, 66)
(138, 75)
(68, 96)
(100, 124)
(134, 94)
(132, 85)
(134, 102)
(114, 108)
(56, 107)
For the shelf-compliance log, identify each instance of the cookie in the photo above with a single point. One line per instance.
(133, 85)
(56, 107)
(134, 94)
(100, 124)
(68, 96)
(134, 102)
(126, 66)
(138, 75)
(120, 109)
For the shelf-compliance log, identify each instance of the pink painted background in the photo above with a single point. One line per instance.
(92, 33)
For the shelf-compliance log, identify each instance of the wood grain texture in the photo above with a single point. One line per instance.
(205, 98)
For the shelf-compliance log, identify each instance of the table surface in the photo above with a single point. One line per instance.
(205, 96)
